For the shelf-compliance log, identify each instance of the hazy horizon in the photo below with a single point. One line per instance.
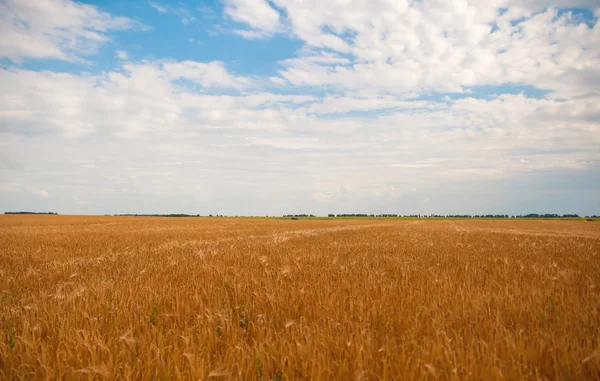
(256, 107)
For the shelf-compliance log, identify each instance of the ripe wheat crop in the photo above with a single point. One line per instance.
(262, 299)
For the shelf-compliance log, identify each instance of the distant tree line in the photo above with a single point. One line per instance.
(534, 215)
(530, 215)
(31, 213)
(299, 215)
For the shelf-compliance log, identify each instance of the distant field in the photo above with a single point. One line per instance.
(268, 299)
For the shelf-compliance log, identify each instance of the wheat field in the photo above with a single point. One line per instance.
(141, 298)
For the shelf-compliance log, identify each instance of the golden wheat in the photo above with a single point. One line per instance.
(265, 299)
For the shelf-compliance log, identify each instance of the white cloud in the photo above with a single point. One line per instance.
(152, 140)
(146, 96)
(122, 55)
(444, 46)
(184, 15)
(344, 104)
(28, 107)
(146, 101)
(212, 74)
(142, 97)
(47, 29)
(250, 34)
(257, 14)
(13, 187)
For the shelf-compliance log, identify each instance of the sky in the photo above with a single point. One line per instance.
(270, 107)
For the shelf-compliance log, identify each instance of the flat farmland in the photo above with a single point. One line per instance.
(267, 299)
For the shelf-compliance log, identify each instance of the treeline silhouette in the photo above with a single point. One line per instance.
(530, 215)
(31, 213)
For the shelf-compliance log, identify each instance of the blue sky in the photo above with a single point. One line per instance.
(256, 107)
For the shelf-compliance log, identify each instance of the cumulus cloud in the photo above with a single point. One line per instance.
(143, 96)
(146, 101)
(443, 46)
(258, 15)
(47, 29)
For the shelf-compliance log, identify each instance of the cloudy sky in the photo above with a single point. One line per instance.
(263, 107)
